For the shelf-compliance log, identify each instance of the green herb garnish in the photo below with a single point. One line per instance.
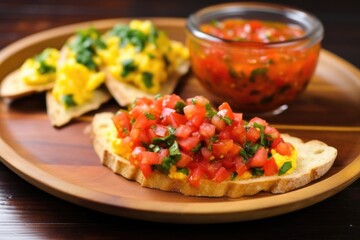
(257, 72)
(68, 100)
(147, 78)
(128, 67)
(285, 167)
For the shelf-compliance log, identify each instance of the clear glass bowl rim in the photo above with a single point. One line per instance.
(314, 33)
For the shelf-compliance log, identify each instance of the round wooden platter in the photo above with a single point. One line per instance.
(61, 161)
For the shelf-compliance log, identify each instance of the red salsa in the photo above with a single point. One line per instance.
(191, 140)
(251, 70)
(252, 30)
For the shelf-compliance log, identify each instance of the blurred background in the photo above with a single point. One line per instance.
(19, 18)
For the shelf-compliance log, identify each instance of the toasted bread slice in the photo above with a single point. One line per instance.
(12, 86)
(314, 160)
(59, 115)
(125, 93)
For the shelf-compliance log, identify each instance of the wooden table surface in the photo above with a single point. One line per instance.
(27, 212)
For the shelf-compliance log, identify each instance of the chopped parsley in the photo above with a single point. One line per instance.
(128, 67)
(69, 100)
(84, 46)
(44, 68)
(285, 167)
(147, 78)
(257, 72)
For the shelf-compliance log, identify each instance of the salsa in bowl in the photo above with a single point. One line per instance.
(258, 57)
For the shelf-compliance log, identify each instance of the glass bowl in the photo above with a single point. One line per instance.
(253, 75)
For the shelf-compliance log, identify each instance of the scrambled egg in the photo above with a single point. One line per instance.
(174, 174)
(79, 75)
(141, 54)
(40, 69)
(76, 81)
(280, 159)
(118, 144)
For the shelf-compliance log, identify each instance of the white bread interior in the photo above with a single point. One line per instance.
(314, 160)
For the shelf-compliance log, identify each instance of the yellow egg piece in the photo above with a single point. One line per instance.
(40, 69)
(281, 159)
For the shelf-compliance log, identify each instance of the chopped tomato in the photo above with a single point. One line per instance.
(221, 174)
(259, 159)
(284, 148)
(146, 170)
(222, 147)
(270, 167)
(240, 166)
(259, 121)
(149, 158)
(195, 114)
(226, 111)
(195, 176)
(207, 154)
(183, 131)
(189, 144)
(184, 160)
(122, 123)
(210, 144)
(218, 122)
(253, 134)
(207, 130)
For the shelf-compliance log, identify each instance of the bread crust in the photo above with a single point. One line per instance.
(126, 93)
(59, 115)
(314, 160)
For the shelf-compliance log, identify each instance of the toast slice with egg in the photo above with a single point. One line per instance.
(314, 160)
(36, 74)
(79, 86)
(125, 93)
(12, 86)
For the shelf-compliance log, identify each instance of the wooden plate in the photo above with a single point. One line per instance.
(63, 163)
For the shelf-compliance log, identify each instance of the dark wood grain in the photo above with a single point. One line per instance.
(29, 213)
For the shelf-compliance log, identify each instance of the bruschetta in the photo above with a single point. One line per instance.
(78, 86)
(190, 147)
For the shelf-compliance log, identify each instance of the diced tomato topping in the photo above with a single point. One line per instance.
(184, 160)
(189, 144)
(226, 111)
(210, 144)
(207, 130)
(270, 167)
(274, 134)
(259, 159)
(149, 158)
(222, 147)
(221, 174)
(284, 148)
(240, 166)
(195, 176)
(146, 170)
(183, 131)
(159, 130)
(253, 134)
(259, 121)
(218, 122)
(122, 123)
(207, 154)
